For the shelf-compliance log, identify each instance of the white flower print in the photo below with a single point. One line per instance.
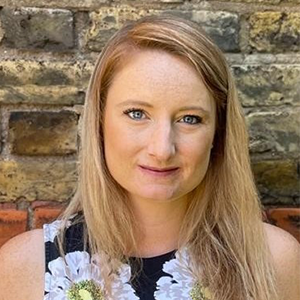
(178, 268)
(51, 230)
(78, 267)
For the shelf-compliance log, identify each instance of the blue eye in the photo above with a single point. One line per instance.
(191, 119)
(135, 114)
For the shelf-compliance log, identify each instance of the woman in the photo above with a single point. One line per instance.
(166, 207)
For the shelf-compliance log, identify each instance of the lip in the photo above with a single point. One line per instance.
(159, 169)
(159, 172)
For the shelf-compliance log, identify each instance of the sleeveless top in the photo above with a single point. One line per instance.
(79, 276)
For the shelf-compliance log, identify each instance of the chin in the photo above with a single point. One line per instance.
(157, 194)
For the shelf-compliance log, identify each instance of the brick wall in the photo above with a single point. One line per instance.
(47, 52)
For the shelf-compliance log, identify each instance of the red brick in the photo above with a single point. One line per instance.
(287, 219)
(12, 222)
(8, 205)
(49, 204)
(44, 215)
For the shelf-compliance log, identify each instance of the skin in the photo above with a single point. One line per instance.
(158, 202)
(162, 112)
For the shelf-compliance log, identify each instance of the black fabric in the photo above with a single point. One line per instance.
(73, 242)
(144, 283)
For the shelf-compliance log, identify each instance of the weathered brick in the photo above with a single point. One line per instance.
(277, 181)
(275, 132)
(106, 21)
(87, 4)
(222, 27)
(0, 133)
(45, 73)
(43, 215)
(36, 180)
(275, 31)
(286, 218)
(33, 94)
(12, 222)
(169, 1)
(43, 133)
(45, 204)
(265, 85)
(50, 29)
(11, 206)
(145, 3)
(292, 1)
(254, 1)
(1, 32)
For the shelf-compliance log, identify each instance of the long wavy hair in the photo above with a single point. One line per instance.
(223, 225)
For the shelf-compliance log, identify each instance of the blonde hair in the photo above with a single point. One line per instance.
(223, 225)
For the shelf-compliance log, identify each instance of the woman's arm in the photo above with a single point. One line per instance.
(22, 267)
(285, 250)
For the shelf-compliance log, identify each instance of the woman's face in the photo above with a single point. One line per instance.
(159, 125)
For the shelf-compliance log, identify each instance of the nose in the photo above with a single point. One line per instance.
(161, 144)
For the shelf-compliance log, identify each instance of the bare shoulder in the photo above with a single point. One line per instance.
(285, 251)
(22, 267)
(280, 242)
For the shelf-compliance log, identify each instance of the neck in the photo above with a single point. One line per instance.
(159, 224)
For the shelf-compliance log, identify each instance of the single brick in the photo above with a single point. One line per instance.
(12, 222)
(45, 215)
(45, 73)
(34, 94)
(222, 27)
(168, 1)
(275, 31)
(275, 133)
(87, 4)
(154, 1)
(268, 85)
(277, 181)
(45, 204)
(107, 20)
(8, 205)
(293, 1)
(36, 180)
(43, 133)
(50, 29)
(255, 1)
(287, 219)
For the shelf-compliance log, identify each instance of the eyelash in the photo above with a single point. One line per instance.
(130, 110)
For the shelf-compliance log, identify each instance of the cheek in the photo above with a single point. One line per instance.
(118, 144)
(197, 155)
(111, 144)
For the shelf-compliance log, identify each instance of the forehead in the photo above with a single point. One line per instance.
(156, 75)
(154, 65)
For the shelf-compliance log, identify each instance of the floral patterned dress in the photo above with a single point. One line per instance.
(79, 277)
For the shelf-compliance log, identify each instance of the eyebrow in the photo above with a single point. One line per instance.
(146, 104)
